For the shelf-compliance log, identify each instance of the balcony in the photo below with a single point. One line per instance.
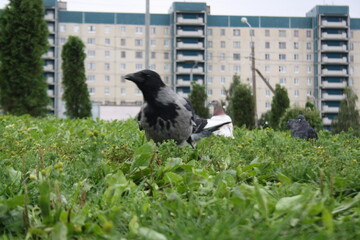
(327, 72)
(188, 70)
(183, 83)
(198, 57)
(49, 54)
(182, 94)
(334, 60)
(336, 85)
(327, 48)
(195, 21)
(326, 121)
(332, 97)
(50, 17)
(336, 36)
(328, 109)
(183, 45)
(50, 93)
(51, 29)
(49, 68)
(198, 33)
(329, 24)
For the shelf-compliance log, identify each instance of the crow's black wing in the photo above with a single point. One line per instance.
(311, 133)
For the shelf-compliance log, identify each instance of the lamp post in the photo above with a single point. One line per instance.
(244, 20)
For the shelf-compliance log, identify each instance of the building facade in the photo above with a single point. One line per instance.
(315, 57)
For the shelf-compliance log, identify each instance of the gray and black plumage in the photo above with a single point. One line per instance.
(300, 128)
(166, 115)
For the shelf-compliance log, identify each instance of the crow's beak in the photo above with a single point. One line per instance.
(134, 77)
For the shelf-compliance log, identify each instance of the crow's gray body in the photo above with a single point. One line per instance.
(301, 129)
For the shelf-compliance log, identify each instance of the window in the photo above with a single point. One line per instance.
(107, 29)
(308, 57)
(90, 78)
(296, 93)
(62, 28)
(296, 33)
(123, 67)
(91, 29)
(308, 33)
(166, 55)
(267, 105)
(309, 69)
(308, 45)
(153, 67)
(222, 32)
(236, 56)
(282, 81)
(166, 67)
(153, 43)
(91, 53)
(138, 42)
(91, 66)
(282, 57)
(210, 44)
(267, 68)
(107, 78)
(210, 68)
(153, 55)
(138, 66)
(267, 56)
(222, 44)
(210, 32)
(296, 69)
(296, 57)
(296, 81)
(309, 92)
(209, 92)
(236, 44)
(138, 30)
(267, 92)
(122, 42)
(282, 69)
(76, 28)
(237, 68)
(222, 80)
(282, 45)
(123, 29)
(209, 56)
(309, 81)
(138, 54)
(123, 54)
(267, 33)
(296, 45)
(166, 43)
(107, 91)
(166, 31)
(267, 45)
(107, 41)
(236, 32)
(91, 91)
(282, 33)
(210, 80)
(91, 41)
(222, 56)
(223, 92)
(123, 91)
(222, 68)
(107, 66)
(107, 53)
(153, 30)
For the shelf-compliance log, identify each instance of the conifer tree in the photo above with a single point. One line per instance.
(230, 93)
(198, 98)
(23, 40)
(280, 102)
(76, 94)
(243, 106)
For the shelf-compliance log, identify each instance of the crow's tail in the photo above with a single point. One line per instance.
(206, 132)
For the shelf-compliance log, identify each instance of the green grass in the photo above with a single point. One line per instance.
(85, 179)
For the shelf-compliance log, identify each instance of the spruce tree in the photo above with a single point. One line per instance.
(348, 116)
(230, 93)
(198, 98)
(243, 106)
(76, 94)
(23, 40)
(280, 102)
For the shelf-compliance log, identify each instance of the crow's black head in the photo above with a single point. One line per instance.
(301, 118)
(149, 82)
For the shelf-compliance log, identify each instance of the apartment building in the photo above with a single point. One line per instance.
(315, 57)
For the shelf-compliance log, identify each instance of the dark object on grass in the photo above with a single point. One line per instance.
(301, 129)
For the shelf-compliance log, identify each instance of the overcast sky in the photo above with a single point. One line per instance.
(297, 8)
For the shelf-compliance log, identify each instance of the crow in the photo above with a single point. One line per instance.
(165, 115)
(219, 116)
(301, 129)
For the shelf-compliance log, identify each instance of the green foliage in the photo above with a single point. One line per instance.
(76, 94)
(279, 104)
(230, 94)
(348, 117)
(86, 179)
(265, 119)
(243, 106)
(23, 40)
(312, 117)
(198, 98)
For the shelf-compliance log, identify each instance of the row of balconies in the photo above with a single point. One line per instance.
(334, 85)
(326, 59)
(183, 45)
(182, 20)
(341, 48)
(329, 109)
(332, 97)
(183, 70)
(189, 33)
(182, 57)
(327, 72)
(340, 24)
(185, 83)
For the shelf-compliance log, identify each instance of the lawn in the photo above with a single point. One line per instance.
(86, 179)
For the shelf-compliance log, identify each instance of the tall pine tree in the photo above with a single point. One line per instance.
(280, 102)
(230, 93)
(23, 40)
(76, 94)
(243, 106)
